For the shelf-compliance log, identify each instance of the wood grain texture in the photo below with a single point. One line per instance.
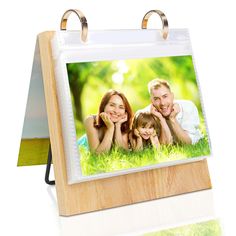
(115, 191)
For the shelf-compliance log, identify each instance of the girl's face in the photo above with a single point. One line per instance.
(146, 131)
(115, 108)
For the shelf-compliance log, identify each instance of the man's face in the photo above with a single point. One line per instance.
(162, 99)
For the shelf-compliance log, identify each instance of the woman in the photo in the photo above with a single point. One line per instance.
(110, 127)
(145, 132)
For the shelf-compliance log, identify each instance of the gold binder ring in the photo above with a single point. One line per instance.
(83, 20)
(163, 19)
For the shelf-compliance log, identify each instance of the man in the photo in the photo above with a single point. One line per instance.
(179, 118)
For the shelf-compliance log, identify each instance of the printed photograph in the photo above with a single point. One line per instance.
(137, 112)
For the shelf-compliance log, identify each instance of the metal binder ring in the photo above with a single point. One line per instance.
(163, 19)
(83, 20)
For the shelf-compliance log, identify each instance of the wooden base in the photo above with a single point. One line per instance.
(115, 191)
(138, 187)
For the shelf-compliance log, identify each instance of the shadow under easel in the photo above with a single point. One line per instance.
(139, 218)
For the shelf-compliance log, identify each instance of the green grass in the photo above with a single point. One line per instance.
(209, 228)
(118, 159)
(33, 152)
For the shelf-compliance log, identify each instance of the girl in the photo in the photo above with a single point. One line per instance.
(145, 132)
(110, 126)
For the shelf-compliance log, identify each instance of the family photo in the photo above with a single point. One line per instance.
(136, 113)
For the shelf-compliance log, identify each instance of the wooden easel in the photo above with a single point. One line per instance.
(116, 191)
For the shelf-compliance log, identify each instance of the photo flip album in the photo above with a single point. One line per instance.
(122, 110)
(128, 106)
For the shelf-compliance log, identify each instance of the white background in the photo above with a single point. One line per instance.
(27, 205)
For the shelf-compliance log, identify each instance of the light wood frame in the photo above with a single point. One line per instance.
(116, 191)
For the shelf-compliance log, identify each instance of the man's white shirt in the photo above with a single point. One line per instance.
(188, 119)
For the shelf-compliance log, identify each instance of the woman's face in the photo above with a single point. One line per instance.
(146, 131)
(115, 108)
